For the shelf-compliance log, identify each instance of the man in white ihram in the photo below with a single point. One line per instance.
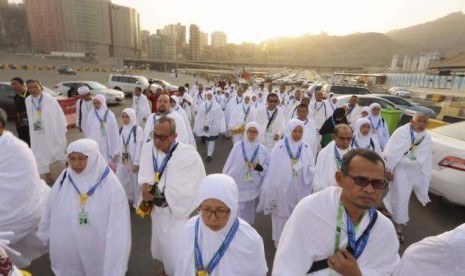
(169, 174)
(338, 231)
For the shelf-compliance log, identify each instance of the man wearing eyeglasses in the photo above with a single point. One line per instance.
(272, 119)
(169, 174)
(329, 159)
(338, 229)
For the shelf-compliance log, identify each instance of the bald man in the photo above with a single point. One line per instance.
(329, 159)
(408, 163)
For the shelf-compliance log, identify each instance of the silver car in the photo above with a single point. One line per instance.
(111, 95)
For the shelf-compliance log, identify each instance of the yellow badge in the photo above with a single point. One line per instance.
(102, 124)
(157, 177)
(202, 273)
(83, 199)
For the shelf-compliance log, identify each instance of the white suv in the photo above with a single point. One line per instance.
(127, 83)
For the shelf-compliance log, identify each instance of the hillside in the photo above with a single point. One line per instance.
(445, 35)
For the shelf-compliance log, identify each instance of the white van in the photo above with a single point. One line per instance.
(127, 83)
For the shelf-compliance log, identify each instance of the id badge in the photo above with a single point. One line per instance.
(297, 166)
(38, 126)
(83, 218)
(202, 273)
(248, 177)
(125, 158)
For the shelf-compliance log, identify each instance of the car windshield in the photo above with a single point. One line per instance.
(397, 100)
(456, 130)
(96, 86)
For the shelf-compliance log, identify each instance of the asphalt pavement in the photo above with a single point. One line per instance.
(437, 217)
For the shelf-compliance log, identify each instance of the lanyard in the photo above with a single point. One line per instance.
(373, 126)
(200, 96)
(321, 105)
(299, 150)
(227, 100)
(271, 118)
(126, 142)
(412, 138)
(355, 143)
(356, 247)
(244, 154)
(208, 108)
(159, 170)
(246, 112)
(350, 110)
(216, 98)
(84, 197)
(238, 101)
(102, 122)
(338, 157)
(199, 267)
(37, 107)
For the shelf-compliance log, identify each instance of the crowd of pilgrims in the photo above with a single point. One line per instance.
(320, 170)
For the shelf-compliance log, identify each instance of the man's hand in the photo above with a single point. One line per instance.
(276, 137)
(135, 169)
(389, 176)
(146, 195)
(344, 263)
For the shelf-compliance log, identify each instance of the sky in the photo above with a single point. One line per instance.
(258, 20)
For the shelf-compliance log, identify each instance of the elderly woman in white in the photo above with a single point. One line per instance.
(362, 138)
(247, 164)
(217, 242)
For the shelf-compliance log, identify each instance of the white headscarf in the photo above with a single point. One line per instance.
(374, 118)
(103, 107)
(96, 164)
(363, 141)
(83, 90)
(245, 253)
(245, 95)
(209, 92)
(291, 125)
(366, 109)
(176, 101)
(250, 146)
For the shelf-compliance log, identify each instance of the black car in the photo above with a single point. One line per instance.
(66, 70)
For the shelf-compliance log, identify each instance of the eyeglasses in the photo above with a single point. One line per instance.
(160, 137)
(363, 181)
(219, 213)
(252, 131)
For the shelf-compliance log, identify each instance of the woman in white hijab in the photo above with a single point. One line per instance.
(362, 138)
(215, 227)
(130, 143)
(243, 114)
(247, 164)
(102, 127)
(86, 219)
(209, 122)
(379, 127)
(289, 178)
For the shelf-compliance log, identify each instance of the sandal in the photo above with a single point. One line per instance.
(400, 236)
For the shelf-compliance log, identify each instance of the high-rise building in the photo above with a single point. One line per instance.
(155, 46)
(125, 32)
(203, 39)
(93, 27)
(177, 31)
(144, 43)
(395, 59)
(69, 26)
(194, 42)
(218, 39)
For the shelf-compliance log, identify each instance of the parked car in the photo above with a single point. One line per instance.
(367, 100)
(166, 85)
(7, 94)
(259, 81)
(111, 95)
(400, 91)
(346, 89)
(407, 105)
(241, 81)
(127, 83)
(448, 157)
(66, 70)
